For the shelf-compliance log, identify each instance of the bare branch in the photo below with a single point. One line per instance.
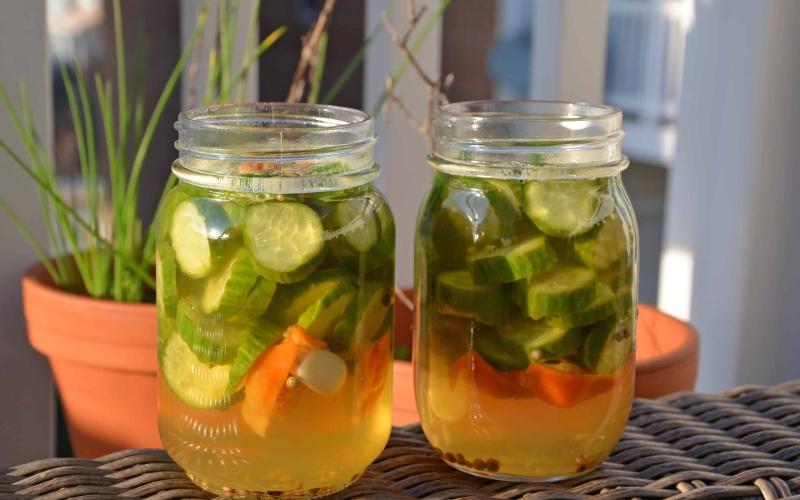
(405, 50)
(435, 88)
(309, 51)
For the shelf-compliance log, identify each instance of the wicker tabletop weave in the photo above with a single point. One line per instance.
(744, 443)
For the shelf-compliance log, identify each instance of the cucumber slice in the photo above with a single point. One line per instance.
(502, 354)
(286, 240)
(198, 230)
(563, 208)
(167, 210)
(458, 295)
(563, 289)
(517, 261)
(166, 280)
(209, 338)
(256, 339)
(608, 345)
(380, 255)
(543, 342)
(365, 319)
(323, 315)
(604, 247)
(302, 302)
(257, 301)
(479, 212)
(511, 190)
(191, 380)
(166, 328)
(358, 224)
(228, 287)
(603, 306)
(236, 212)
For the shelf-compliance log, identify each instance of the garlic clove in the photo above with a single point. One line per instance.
(322, 371)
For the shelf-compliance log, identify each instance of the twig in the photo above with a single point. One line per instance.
(309, 51)
(422, 128)
(434, 86)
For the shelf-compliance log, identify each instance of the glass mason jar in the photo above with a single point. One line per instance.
(526, 278)
(275, 272)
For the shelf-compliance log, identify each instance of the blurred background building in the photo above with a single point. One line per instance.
(711, 95)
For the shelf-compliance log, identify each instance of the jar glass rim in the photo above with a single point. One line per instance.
(296, 146)
(529, 111)
(528, 139)
(235, 117)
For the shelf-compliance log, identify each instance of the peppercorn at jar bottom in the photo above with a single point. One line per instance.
(499, 429)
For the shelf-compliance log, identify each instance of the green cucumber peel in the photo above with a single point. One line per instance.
(564, 288)
(211, 340)
(603, 306)
(516, 261)
(257, 301)
(608, 345)
(257, 338)
(227, 288)
(541, 341)
(457, 294)
(166, 280)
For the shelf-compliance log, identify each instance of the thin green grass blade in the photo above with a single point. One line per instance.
(90, 183)
(224, 48)
(66, 227)
(262, 47)
(41, 165)
(319, 69)
(32, 242)
(352, 66)
(27, 141)
(233, 20)
(415, 45)
(252, 33)
(124, 112)
(77, 121)
(212, 77)
(139, 86)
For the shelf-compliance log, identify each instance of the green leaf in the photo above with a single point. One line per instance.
(32, 242)
(352, 66)
(251, 36)
(319, 69)
(262, 47)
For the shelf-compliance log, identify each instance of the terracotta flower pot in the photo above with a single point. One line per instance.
(667, 354)
(666, 358)
(104, 357)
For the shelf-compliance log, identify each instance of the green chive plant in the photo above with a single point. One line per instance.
(109, 253)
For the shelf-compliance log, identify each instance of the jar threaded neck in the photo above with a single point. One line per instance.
(528, 139)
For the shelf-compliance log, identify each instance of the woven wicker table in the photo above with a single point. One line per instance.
(744, 443)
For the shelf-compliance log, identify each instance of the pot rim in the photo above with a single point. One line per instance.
(686, 350)
(36, 276)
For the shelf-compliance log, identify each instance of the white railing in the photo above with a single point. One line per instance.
(646, 40)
